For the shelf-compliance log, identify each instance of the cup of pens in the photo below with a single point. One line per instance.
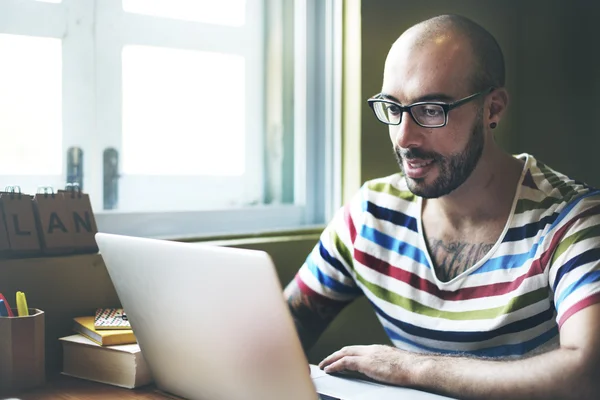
(22, 345)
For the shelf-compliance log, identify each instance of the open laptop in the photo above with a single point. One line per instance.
(212, 323)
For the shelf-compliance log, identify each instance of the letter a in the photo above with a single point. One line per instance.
(55, 222)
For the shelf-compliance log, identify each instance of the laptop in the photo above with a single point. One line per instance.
(212, 323)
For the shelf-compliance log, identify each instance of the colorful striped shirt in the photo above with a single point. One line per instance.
(544, 268)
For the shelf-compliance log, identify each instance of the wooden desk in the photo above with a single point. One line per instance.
(62, 387)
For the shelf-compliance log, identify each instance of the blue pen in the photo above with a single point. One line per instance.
(3, 310)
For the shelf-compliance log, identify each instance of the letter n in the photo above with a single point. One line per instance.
(85, 222)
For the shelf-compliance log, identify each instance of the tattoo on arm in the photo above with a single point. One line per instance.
(453, 258)
(310, 317)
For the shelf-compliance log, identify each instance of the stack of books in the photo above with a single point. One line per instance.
(105, 350)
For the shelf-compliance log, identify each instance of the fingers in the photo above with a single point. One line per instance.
(346, 363)
(343, 352)
(377, 362)
(331, 359)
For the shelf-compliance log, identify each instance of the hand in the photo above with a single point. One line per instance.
(382, 363)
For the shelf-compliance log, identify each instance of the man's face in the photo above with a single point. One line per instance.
(453, 169)
(435, 161)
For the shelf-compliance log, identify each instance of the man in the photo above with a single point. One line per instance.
(483, 268)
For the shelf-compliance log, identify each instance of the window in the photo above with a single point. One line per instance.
(178, 117)
(30, 107)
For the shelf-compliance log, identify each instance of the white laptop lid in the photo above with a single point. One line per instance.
(211, 321)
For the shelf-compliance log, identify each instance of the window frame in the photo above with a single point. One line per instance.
(316, 119)
(115, 29)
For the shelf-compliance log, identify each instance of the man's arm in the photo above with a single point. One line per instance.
(311, 317)
(570, 372)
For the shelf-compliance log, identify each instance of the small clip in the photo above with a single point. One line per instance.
(73, 187)
(46, 190)
(13, 189)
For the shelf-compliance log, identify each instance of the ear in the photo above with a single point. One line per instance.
(497, 105)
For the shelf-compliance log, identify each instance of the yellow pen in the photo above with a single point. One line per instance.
(22, 305)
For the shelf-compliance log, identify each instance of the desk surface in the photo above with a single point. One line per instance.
(62, 387)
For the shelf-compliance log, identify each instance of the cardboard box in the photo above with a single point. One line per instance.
(22, 345)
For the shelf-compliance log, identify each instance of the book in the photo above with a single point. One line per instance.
(120, 365)
(85, 326)
(111, 318)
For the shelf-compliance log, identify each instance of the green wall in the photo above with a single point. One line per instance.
(551, 56)
(558, 85)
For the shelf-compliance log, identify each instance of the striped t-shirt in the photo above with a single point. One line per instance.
(544, 268)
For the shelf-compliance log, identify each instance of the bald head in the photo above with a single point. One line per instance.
(487, 61)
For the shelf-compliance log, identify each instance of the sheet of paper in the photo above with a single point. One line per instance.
(316, 372)
(341, 388)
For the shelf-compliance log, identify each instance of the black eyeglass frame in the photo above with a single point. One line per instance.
(408, 108)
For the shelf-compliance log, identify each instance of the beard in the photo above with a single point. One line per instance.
(454, 170)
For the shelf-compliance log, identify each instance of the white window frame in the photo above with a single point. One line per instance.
(317, 117)
(38, 19)
(115, 29)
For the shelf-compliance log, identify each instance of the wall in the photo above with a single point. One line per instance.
(64, 288)
(558, 85)
(383, 21)
(551, 55)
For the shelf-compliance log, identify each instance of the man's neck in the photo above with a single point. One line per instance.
(487, 195)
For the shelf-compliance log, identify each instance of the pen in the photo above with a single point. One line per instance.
(3, 312)
(22, 305)
(7, 306)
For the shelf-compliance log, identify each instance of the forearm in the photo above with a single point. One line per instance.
(309, 330)
(310, 317)
(559, 374)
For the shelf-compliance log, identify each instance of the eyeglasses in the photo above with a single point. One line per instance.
(428, 114)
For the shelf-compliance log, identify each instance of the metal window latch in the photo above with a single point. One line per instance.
(111, 178)
(75, 166)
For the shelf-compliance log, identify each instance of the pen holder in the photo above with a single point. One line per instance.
(22, 346)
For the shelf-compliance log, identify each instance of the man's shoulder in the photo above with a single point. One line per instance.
(547, 188)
